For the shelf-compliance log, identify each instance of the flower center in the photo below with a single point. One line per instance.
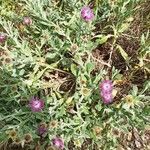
(57, 143)
(36, 104)
(88, 12)
(106, 86)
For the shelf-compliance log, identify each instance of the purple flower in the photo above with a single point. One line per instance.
(36, 104)
(2, 37)
(27, 21)
(107, 98)
(106, 86)
(58, 142)
(42, 129)
(87, 13)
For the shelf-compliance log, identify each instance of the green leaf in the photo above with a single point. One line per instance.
(102, 38)
(122, 52)
(21, 72)
(74, 69)
(135, 90)
(52, 57)
(123, 27)
(39, 74)
(89, 67)
(98, 107)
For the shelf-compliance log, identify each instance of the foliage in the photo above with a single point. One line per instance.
(62, 59)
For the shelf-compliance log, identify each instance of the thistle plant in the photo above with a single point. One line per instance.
(55, 61)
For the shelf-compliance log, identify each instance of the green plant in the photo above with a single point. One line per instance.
(61, 59)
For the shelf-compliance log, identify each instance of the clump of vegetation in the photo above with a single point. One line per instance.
(74, 74)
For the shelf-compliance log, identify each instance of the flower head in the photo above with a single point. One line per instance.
(97, 130)
(107, 98)
(106, 86)
(58, 142)
(53, 124)
(2, 37)
(78, 143)
(27, 21)
(87, 13)
(129, 99)
(12, 134)
(50, 148)
(17, 141)
(42, 129)
(28, 138)
(36, 104)
(115, 132)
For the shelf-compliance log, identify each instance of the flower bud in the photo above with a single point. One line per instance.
(27, 21)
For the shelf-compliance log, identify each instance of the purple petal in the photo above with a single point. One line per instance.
(107, 98)
(58, 142)
(36, 104)
(87, 13)
(106, 86)
(27, 21)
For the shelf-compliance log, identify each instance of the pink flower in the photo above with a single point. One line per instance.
(107, 98)
(2, 37)
(58, 142)
(87, 13)
(27, 21)
(36, 104)
(106, 86)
